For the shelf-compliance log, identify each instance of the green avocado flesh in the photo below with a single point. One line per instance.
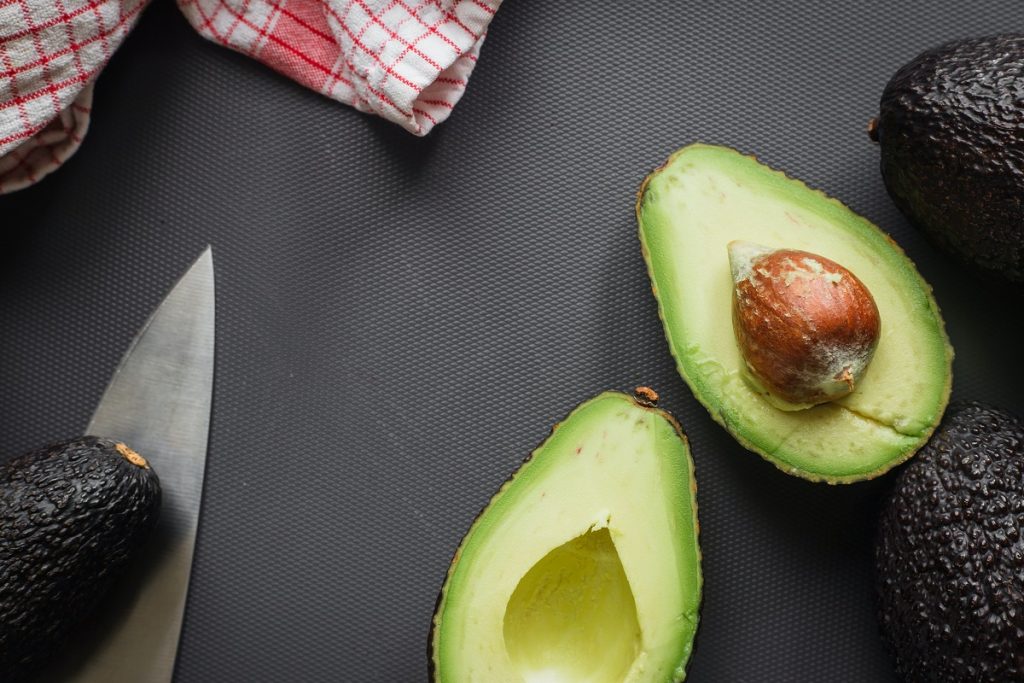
(584, 568)
(705, 197)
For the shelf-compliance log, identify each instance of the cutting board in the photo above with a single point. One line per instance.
(401, 320)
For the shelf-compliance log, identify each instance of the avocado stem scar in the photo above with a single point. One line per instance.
(873, 129)
(131, 456)
(646, 396)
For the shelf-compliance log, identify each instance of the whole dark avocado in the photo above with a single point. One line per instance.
(950, 556)
(71, 515)
(952, 150)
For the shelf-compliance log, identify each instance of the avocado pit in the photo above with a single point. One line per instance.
(806, 327)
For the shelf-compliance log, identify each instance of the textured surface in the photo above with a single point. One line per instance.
(51, 499)
(400, 320)
(949, 552)
(952, 154)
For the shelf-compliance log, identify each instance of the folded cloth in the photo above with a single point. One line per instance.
(405, 60)
(50, 52)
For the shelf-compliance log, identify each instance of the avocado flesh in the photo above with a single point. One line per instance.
(585, 565)
(705, 197)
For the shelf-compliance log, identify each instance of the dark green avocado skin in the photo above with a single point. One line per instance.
(951, 131)
(71, 515)
(950, 553)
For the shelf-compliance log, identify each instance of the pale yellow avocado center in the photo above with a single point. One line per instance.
(572, 618)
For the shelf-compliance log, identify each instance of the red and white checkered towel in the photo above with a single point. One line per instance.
(404, 60)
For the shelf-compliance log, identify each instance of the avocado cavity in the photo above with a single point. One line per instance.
(573, 617)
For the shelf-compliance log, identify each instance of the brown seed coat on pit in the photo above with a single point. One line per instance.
(796, 316)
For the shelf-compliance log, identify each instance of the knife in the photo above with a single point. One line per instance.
(158, 401)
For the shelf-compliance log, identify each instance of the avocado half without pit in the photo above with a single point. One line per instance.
(819, 346)
(584, 567)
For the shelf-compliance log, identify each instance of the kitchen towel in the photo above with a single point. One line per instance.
(405, 60)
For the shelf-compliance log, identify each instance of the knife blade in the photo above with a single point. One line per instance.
(158, 401)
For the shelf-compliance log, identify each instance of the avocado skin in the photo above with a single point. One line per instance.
(952, 153)
(71, 516)
(948, 557)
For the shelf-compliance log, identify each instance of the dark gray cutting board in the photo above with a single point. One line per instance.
(401, 320)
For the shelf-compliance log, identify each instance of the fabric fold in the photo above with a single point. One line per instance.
(50, 53)
(49, 148)
(407, 61)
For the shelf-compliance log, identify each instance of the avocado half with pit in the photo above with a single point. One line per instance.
(585, 565)
(705, 197)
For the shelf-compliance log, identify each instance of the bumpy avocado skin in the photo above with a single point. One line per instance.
(71, 515)
(952, 153)
(950, 555)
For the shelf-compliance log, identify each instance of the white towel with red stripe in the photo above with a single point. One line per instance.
(405, 60)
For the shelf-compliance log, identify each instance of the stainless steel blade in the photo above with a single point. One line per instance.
(158, 402)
